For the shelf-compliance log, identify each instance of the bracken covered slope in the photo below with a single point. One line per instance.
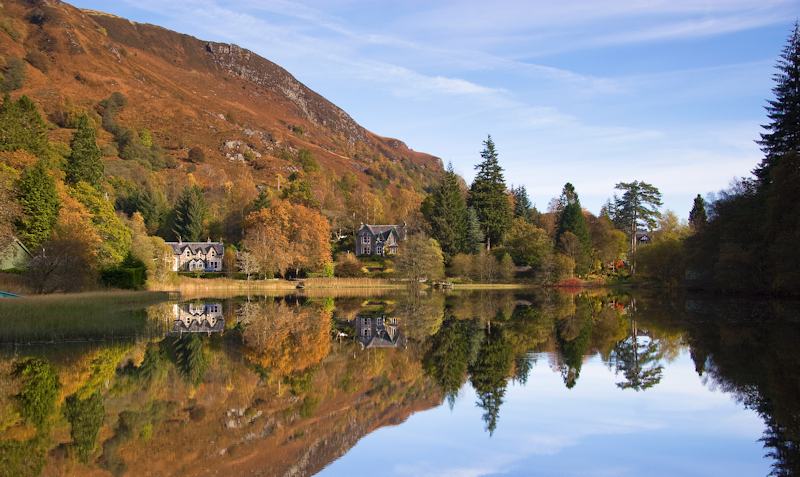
(249, 115)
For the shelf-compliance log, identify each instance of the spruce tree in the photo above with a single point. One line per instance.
(83, 162)
(190, 212)
(522, 203)
(474, 239)
(782, 134)
(447, 214)
(571, 220)
(697, 216)
(21, 127)
(39, 202)
(488, 196)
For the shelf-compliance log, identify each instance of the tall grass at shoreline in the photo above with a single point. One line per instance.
(93, 315)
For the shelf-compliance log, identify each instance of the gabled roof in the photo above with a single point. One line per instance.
(383, 231)
(179, 247)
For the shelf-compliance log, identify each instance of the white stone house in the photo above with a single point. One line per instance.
(197, 256)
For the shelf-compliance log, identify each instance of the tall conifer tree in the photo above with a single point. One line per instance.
(488, 196)
(697, 216)
(636, 209)
(782, 136)
(447, 214)
(39, 202)
(190, 212)
(571, 220)
(83, 163)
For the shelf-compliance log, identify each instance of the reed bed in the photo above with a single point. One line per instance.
(93, 315)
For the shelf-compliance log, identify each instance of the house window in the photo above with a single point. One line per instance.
(367, 250)
(379, 249)
(365, 239)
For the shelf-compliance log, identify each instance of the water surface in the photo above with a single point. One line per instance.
(463, 384)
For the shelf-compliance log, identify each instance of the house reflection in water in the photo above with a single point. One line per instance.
(378, 332)
(197, 317)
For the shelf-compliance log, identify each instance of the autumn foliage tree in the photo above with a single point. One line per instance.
(288, 236)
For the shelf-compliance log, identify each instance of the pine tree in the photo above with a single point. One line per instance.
(783, 131)
(39, 201)
(447, 214)
(21, 126)
(522, 203)
(83, 162)
(474, 238)
(697, 216)
(637, 208)
(488, 196)
(190, 212)
(572, 222)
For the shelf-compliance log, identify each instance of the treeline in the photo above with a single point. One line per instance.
(487, 230)
(750, 240)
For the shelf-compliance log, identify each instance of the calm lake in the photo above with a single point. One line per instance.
(459, 384)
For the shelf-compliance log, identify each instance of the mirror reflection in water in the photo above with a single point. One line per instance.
(492, 382)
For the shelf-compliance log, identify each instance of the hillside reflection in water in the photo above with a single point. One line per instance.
(432, 384)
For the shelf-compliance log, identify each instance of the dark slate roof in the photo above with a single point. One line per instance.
(383, 231)
(178, 247)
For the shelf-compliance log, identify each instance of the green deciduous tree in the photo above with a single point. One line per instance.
(446, 213)
(420, 258)
(488, 196)
(529, 245)
(83, 162)
(39, 202)
(190, 215)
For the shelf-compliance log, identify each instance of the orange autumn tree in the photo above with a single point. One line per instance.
(285, 339)
(288, 236)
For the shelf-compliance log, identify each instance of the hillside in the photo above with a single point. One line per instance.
(257, 126)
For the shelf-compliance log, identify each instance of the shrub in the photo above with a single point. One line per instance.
(38, 60)
(348, 266)
(130, 274)
(13, 75)
(196, 155)
(8, 27)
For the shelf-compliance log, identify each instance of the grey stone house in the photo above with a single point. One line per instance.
(378, 332)
(379, 239)
(197, 256)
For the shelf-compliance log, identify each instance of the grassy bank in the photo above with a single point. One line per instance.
(199, 285)
(92, 315)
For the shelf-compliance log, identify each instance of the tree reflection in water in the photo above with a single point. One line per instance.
(285, 386)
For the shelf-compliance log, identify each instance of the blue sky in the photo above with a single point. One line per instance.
(593, 92)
